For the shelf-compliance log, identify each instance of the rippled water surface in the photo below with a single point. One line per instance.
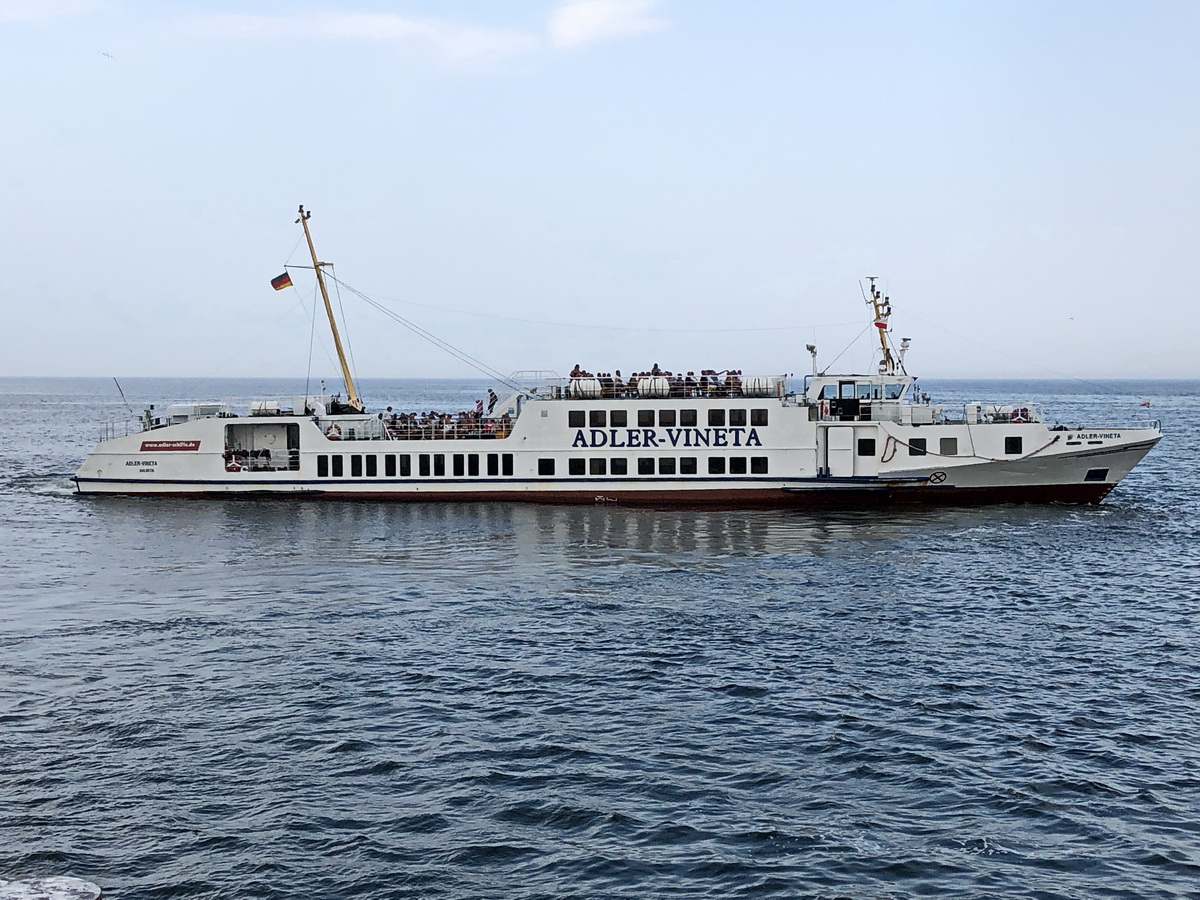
(279, 699)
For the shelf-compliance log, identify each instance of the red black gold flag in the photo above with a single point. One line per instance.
(279, 282)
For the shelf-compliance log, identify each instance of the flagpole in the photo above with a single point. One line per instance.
(352, 399)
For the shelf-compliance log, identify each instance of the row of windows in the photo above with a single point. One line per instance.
(687, 418)
(663, 465)
(400, 464)
(947, 446)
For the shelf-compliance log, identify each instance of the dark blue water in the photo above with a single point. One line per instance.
(272, 699)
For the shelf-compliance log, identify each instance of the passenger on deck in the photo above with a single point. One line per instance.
(576, 372)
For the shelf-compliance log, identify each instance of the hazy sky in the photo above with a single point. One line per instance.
(609, 182)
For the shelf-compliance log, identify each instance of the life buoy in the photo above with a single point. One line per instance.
(233, 466)
(333, 432)
(1019, 416)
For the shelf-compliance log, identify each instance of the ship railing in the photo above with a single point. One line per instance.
(112, 430)
(487, 429)
(658, 387)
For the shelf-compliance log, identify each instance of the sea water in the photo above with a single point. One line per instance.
(299, 699)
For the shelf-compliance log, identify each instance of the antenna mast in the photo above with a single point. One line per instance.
(883, 309)
(351, 394)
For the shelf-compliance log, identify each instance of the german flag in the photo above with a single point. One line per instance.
(279, 282)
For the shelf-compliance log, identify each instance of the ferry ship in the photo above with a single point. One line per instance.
(722, 439)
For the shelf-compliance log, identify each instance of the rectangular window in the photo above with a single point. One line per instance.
(460, 465)
(336, 462)
(405, 465)
(645, 418)
(372, 466)
(916, 447)
(356, 465)
(1012, 445)
(576, 467)
(493, 463)
(687, 418)
(645, 466)
(758, 465)
(666, 465)
(439, 464)
(473, 465)
(423, 465)
(619, 466)
(545, 467)
(716, 418)
(597, 466)
(758, 418)
(322, 466)
(737, 418)
(948, 446)
(666, 418)
(687, 465)
(716, 465)
(389, 465)
(737, 465)
(575, 418)
(597, 419)
(506, 463)
(1096, 475)
(619, 418)
(866, 446)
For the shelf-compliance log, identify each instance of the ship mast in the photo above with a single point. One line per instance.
(883, 309)
(352, 398)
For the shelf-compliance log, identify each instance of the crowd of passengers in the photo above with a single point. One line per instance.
(442, 425)
(709, 383)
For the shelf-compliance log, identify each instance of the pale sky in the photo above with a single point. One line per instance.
(697, 183)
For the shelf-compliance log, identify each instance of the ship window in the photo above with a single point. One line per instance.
(545, 467)
(389, 465)
(423, 464)
(866, 446)
(758, 465)
(737, 418)
(916, 447)
(460, 465)
(716, 465)
(828, 392)
(336, 463)
(1096, 475)
(576, 467)
(322, 466)
(597, 466)
(666, 418)
(864, 390)
(687, 418)
(737, 465)
(892, 391)
(473, 465)
(948, 446)
(618, 466)
(645, 418)
(645, 466)
(439, 464)
(356, 465)
(618, 418)
(506, 463)
(372, 466)
(405, 465)
(493, 463)
(597, 419)
(575, 418)
(716, 417)
(1012, 444)
(846, 390)
(687, 465)
(666, 465)
(758, 417)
